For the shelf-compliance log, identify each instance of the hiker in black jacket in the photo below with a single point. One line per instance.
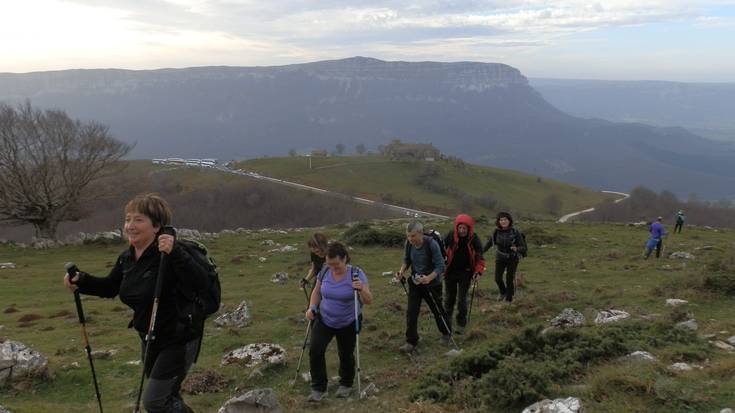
(509, 247)
(133, 278)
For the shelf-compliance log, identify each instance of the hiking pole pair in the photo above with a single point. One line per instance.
(151, 334)
(72, 271)
(439, 310)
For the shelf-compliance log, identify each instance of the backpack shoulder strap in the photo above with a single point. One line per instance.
(322, 272)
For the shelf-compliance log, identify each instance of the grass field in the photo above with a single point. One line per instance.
(378, 178)
(583, 266)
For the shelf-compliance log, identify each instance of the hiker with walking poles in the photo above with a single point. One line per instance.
(151, 277)
(510, 246)
(656, 239)
(335, 310)
(423, 257)
(318, 248)
(465, 265)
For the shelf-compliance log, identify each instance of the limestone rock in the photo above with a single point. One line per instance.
(254, 354)
(285, 248)
(254, 401)
(731, 340)
(681, 367)
(568, 405)
(7, 266)
(238, 318)
(723, 346)
(682, 255)
(675, 301)
(18, 361)
(688, 325)
(568, 318)
(611, 316)
(727, 410)
(268, 242)
(640, 356)
(4, 410)
(279, 277)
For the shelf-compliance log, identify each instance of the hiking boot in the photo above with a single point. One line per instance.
(407, 348)
(316, 396)
(343, 392)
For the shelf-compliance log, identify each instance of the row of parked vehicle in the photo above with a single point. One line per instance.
(207, 162)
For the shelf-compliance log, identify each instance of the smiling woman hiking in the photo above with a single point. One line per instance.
(155, 268)
(340, 289)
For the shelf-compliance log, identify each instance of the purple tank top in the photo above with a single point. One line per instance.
(337, 307)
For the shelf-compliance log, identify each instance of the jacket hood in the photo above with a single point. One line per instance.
(467, 220)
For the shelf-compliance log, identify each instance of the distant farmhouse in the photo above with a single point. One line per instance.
(319, 152)
(399, 151)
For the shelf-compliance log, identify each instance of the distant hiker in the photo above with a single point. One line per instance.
(332, 309)
(656, 239)
(133, 278)
(680, 218)
(423, 256)
(464, 265)
(510, 246)
(318, 246)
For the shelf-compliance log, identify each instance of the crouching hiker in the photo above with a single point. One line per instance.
(332, 310)
(155, 263)
(423, 256)
(509, 245)
(465, 264)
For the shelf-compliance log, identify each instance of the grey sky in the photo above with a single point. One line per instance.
(648, 39)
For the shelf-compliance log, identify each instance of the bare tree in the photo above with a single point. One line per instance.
(47, 162)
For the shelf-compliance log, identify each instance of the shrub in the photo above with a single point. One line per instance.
(721, 283)
(539, 236)
(364, 234)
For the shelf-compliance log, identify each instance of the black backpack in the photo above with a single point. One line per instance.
(208, 301)
(516, 235)
(438, 238)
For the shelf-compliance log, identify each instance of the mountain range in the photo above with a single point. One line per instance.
(485, 113)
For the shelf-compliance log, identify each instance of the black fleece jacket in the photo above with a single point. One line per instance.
(135, 281)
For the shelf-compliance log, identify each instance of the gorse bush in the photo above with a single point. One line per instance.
(366, 235)
(526, 367)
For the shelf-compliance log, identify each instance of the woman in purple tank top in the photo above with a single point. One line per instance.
(332, 311)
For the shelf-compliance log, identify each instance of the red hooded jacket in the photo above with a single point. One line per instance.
(474, 245)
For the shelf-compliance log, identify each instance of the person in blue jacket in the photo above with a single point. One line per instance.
(656, 240)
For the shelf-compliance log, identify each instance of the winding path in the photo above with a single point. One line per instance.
(566, 217)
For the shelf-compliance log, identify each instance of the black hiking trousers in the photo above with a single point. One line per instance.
(321, 335)
(509, 266)
(166, 370)
(678, 226)
(416, 293)
(457, 284)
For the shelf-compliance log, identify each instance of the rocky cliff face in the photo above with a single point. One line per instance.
(484, 112)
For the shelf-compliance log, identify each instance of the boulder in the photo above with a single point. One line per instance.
(688, 325)
(568, 405)
(7, 266)
(43, 243)
(726, 410)
(640, 356)
(279, 277)
(681, 367)
(18, 361)
(568, 318)
(675, 301)
(268, 242)
(188, 233)
(285, 248)
(723, 346)
(254, 401)
(4, 410)
(238, 318)
(254, 354)
(610, 316)
(731, 340)
(682, 255)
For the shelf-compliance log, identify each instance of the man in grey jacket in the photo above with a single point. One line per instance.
(423, 256)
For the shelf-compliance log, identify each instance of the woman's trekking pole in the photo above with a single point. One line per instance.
(355, 277)
(403, 284)
(472, 300)
(72, 271)
(151, 334)
(303, 349)
(305, 286)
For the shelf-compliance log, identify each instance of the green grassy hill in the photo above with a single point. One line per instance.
(587, 267)
(443, 186)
